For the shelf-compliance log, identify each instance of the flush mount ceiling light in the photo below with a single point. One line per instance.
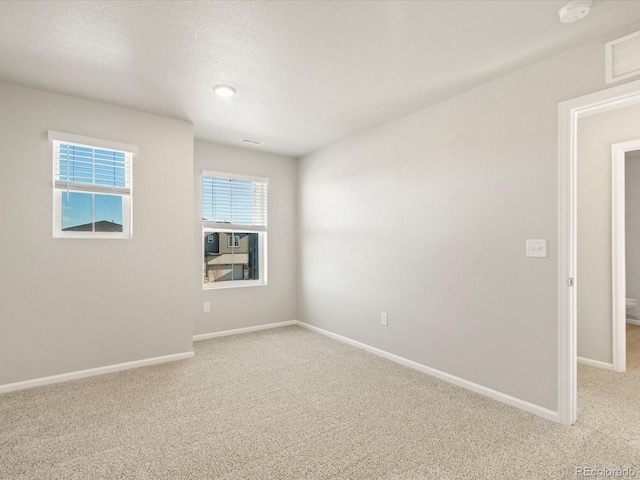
(224, 90)
(574, 11)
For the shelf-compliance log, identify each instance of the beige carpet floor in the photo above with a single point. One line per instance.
(291, 404)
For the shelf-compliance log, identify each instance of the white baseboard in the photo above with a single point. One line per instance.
(91, 372)
(474, 387)
(633, 321)
(595, 363)
(236, 331)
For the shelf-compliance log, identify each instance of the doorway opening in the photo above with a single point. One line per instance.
(625, 180)
(569, 113)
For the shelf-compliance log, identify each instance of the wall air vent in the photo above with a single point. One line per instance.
(623, 57)
(250, 141)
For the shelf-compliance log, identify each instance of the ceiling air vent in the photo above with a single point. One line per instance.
(250, 141)
(623, 57)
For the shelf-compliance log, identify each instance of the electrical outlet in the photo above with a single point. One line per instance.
(384, 318)
(207, 306)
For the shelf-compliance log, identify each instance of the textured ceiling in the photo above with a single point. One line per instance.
(307, 73)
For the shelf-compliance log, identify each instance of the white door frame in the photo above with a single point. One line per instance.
(569, 112)
(618, 252)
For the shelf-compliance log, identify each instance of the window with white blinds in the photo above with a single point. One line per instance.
(83, 168)
(234, 230)
(92, 182)
(235, 200)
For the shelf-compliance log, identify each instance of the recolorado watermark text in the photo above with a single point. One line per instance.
(590, 472)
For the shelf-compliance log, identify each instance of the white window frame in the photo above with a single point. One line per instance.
(234, 229)
(233, 240)
(59, 189)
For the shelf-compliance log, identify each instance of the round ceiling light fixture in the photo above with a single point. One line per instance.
(574, 11)
(224, 90)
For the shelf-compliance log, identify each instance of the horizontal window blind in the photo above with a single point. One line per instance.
(90, 169)
(234, 201)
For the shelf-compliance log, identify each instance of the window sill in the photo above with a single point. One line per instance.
(237, 284)
(94, 235)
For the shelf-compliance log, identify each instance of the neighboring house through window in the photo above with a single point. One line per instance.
(92, 182)
(234, 230)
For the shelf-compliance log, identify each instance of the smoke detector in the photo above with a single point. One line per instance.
(574, 11)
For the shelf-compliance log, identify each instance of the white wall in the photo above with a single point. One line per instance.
(233, 308)
(73, 304)
(632, 227)
(426, 218)
(595, 136)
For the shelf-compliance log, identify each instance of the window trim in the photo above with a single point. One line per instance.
(216, 227)
(91, 142)
(233, 176)
(61, 187)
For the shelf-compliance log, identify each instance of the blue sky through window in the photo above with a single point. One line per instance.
(77, 208)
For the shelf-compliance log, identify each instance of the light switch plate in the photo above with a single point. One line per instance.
(537, 248)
